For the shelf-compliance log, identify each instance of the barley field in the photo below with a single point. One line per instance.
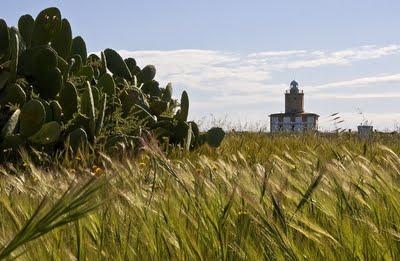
(257, 197)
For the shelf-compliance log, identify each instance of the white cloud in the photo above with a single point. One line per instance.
(311, 59)
(359, 82)
(245, 87)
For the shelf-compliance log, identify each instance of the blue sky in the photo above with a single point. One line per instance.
(236, 58)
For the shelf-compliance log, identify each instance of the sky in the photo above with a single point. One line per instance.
(237, 58)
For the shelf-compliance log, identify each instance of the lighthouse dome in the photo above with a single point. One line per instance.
(294, 87)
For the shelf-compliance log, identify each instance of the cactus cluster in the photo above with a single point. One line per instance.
(52, 93)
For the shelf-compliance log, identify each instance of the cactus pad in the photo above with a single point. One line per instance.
(79, 47)
(32, 118)
(63, 40)
(12, 94)
(68, 99)
(25, 27)
(116, 64)
(147, 73)
(11, 124)
(77, 138)
(49, 133)
(214, 136)
(47, 26)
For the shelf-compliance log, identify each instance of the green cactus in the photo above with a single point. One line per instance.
(143, 114)
(103, 65)
(195, 128)
(12, 94)
(87, 72)
(50, 83)
(131, 63)
(40, 59)
(47, 108)
(62, 43)
(27, 60)
(4, 40)
(88, 108)
(77, 139)
(94, 60)
(14, 47)
(196, 140)
(96, 96)
(121, 83)
(116, 64)
(4, 77)
(32, 118)
(47, 26)
(188, 140)
(180, 132)
(182, 114)
(79, 47)
(214, 136)
(63, 66)
(106, 84)
(152, 88)
(96, 72)
(102, 112)
(68, 99)
(147, 74)
(44, 59)
(79, 121)
(11, 124)
(75, 64)
(167, 92)
(56, 111)
(49, 133)
(25, 28)
(157, 107)
(128, 99)
(14, 142)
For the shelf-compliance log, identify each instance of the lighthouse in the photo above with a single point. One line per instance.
(295, 119)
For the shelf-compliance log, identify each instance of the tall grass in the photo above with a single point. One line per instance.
(257, 197)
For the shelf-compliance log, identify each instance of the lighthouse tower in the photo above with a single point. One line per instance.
(294, 99)
(294, 119)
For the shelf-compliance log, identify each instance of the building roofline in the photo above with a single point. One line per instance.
(294, 114)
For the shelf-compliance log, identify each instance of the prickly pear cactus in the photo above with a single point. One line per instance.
(52, 93)
(11, 124)
(49, 133)
(79, 48)
(68, 100)
(63, 40)
(25, 28)
(46, 27)
(4, 40)
(214, 137)
(183, 113)
(33, 116)
(147, 73)
(12, 94)
(116, 64)
(77, 139)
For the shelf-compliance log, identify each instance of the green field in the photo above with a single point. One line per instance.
(256, 197)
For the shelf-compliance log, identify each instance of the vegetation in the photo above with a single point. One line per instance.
(256, 197)
(100, 162)
(52, 93)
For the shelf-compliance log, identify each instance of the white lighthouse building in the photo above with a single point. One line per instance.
(294, 119)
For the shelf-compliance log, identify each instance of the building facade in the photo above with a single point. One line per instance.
(294, 119)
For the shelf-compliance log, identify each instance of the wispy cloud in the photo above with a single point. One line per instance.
(296, 59)
(359, 82)
(247, 85)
